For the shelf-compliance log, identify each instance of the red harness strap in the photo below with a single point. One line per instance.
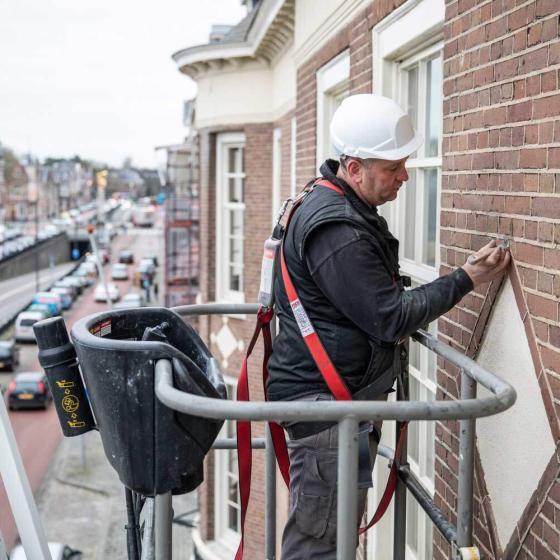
(332, 378)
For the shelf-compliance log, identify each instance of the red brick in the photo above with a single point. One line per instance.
(530, 254)
(533, 158)
(546, 107)
(542, 307)
(535, 60)
(520, 111)
(546, 207)
(546, 7)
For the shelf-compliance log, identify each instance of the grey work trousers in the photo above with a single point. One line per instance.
(310, 532)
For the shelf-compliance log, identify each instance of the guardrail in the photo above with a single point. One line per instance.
(348, 415)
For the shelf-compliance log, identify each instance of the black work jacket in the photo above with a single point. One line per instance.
(361, 355)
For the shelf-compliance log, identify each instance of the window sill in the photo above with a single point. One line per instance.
(213, 550)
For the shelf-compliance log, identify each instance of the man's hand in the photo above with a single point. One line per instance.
(487, 263)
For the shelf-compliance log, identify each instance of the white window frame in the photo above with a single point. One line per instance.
(223, 292)
(223, 533)
(333, 80)
(411, 29)
(276, 172)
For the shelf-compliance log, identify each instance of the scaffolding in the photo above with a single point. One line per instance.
(182, 229)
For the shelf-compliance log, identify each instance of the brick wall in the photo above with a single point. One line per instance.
(500, 177)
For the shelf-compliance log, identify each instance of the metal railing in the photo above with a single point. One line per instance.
(348, 415)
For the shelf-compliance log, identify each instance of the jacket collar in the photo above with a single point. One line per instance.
(328, 171)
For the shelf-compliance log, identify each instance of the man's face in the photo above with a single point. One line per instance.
(381, 180)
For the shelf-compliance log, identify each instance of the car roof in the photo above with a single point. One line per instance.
(6, 343)
(29, 376)
(31, 314)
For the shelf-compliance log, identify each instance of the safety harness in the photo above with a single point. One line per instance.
(334, 381)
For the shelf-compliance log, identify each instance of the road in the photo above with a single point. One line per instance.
(37, 432)
(18, 291)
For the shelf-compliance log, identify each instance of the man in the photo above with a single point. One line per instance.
(343, 262)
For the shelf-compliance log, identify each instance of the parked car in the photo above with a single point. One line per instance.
(119, 271)
(84, 277)
(23, 330)
(65, 296)
(52, 300)
(29, 390)
(9, 355)
(58, 551)
(41, 308)
(126, 257)
(101, 295)
(89, 267)
(131, 300)
(73, 290)
(72, 281)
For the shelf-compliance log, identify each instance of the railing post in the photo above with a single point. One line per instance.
(270, 483)
(466, 468)
(270, 498)
(347, 511)
(163, 523)
(399, 535)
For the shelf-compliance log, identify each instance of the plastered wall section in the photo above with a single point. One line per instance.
(516, 445)
(252, 93)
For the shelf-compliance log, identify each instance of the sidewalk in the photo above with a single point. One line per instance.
(82, 503)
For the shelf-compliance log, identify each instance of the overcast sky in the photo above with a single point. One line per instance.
(95, 77)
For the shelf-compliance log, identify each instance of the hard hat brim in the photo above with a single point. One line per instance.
(391, 155)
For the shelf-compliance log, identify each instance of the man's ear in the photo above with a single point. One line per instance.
(354, 168)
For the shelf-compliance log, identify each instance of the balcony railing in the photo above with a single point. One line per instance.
(348, 415)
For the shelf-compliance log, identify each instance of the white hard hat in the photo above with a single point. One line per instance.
(372, 126)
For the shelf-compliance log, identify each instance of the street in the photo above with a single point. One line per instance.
(37, 432)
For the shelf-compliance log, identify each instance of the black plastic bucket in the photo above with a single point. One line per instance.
(153, 448)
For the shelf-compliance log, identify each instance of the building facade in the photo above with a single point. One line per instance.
(481, 81)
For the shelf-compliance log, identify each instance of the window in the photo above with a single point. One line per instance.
(420, 93)
(332, 87)
(407, 66)
(230, 213)
(227, 503)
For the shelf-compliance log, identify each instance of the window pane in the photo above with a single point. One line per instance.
(235, 278)
(433, 106)
(410, 215)
(235, 250)
(235, 160)
(430, 217)
(412, 523)
(236, 222)
(413, 431)
(430, 439)
(412, 98)
(414, 354)
(231, 160)
(432, 356)
(236, 189)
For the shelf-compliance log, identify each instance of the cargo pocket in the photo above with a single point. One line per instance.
(316, 502)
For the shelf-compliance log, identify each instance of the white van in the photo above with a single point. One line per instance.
(23, 331)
